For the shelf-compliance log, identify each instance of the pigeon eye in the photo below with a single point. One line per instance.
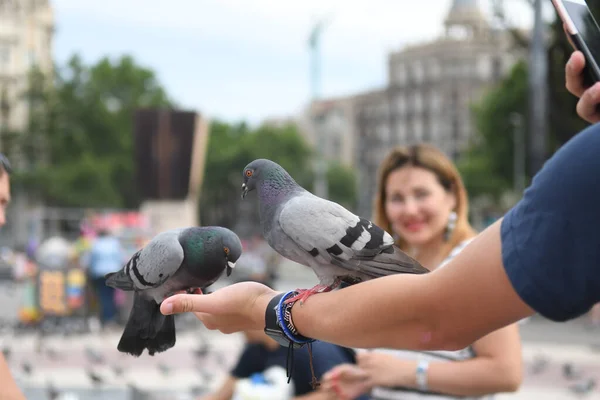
(248, 173)
(226, 249)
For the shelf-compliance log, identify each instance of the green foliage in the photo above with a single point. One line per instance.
(487, 167)
(81, 124)
(78, 149)
(232, 147)
(342, 185)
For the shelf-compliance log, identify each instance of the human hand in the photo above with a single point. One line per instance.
(347, 381)
(387, 370)
(231, 309)
(589, 97)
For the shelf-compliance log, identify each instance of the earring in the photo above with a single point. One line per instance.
(450, 225)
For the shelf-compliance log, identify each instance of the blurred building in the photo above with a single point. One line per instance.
(333, 118)
(428, 97)
(26, 35)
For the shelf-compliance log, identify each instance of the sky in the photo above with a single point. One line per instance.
(248, 60)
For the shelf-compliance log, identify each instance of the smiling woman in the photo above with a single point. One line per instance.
(421, 199)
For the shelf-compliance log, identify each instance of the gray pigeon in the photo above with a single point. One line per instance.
(173, 261)
(338, 245)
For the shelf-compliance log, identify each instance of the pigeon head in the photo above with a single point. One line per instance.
(232, 248)
(263, 170)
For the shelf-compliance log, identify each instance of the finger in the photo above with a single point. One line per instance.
(587, 107)
(332, 374)
(335, 385)
(574, 74)
(182, 303)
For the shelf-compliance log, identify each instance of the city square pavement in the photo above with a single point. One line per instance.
(88, 366)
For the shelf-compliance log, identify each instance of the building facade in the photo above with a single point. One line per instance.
(26, 34)
(428, 97)
(26, 42)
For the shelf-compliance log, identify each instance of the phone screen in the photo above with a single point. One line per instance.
(586, 26)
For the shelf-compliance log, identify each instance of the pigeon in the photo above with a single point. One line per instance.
(583, 387)
(338, 245)
(173, 261)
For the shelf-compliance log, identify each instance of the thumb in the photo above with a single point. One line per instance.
(182, 303)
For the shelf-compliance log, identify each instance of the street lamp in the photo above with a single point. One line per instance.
(538, 82)
(321, 188)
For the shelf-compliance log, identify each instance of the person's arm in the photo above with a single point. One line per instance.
(497, 368)
(449, 308)
(10, 390)
(225, 391)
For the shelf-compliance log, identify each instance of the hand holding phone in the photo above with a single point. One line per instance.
(584, 34)
(582, 72)
(588, 106)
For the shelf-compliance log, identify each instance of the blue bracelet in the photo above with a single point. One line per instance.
(284, 318)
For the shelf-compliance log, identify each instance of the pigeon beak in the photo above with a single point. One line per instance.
(230, 267)
(244, 191)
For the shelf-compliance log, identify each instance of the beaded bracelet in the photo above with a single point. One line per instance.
(284, 318)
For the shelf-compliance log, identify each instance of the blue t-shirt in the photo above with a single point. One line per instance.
(257, 358)
(551, 238)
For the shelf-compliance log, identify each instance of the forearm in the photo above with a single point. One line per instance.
(10, 390)
(475, 377)
(370, 314)
(446, 309)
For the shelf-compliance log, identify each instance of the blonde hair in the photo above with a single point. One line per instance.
(432, 159)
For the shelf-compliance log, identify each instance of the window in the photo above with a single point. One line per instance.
(4, 56)
(399, 74)
(496, 68)
(400, 105)
(484, 67)
(418, 102)
(434, 70)
(417, 70)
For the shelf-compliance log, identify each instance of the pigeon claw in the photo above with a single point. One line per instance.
(304, 294)
(194, 291)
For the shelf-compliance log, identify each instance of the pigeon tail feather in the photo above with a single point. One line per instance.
(389, 261)
(147, 328)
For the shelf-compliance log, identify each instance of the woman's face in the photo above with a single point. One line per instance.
(417, 205)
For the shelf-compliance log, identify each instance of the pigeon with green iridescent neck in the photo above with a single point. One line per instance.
(338, 245)
(173, 261)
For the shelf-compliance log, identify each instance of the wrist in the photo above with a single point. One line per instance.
(279, 324)
(421, 375)
(260, 307)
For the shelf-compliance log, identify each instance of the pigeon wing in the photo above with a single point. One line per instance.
(332, 234)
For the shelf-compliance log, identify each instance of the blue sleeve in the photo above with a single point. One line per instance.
(551, 238)
(325, 357)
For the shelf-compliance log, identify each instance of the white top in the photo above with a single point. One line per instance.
(384, 393)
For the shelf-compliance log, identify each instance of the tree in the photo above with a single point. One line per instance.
(342, 185)
(487, 167)
(232, 147)
(84, 120)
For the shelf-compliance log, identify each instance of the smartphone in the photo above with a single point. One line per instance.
(584, 33)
